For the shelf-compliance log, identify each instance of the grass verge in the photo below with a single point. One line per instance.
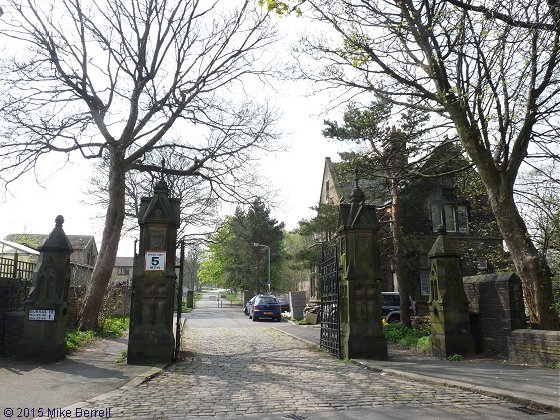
(112, 327)
(232, 297)
(412, 337)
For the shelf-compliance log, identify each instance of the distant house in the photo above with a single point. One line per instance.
(427, 203)
(122, 272)
(84, 246)
(82, 259)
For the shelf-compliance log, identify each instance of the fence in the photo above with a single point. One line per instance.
(13, 268)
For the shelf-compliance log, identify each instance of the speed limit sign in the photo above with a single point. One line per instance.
(155, 261)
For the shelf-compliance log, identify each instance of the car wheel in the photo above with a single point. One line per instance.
(394, 319)
(255, 318)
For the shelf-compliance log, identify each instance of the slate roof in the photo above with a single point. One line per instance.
(35, 241)
(374, 189)
(124, 262)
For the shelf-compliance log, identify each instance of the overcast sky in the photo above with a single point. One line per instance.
(295, 173)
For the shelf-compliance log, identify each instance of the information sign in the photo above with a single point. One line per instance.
(41, 314)
(155, 261)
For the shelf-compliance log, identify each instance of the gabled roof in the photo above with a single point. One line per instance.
(344, 184)
(34, 241)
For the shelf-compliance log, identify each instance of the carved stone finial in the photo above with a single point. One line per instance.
(59, 220)
(162, 168)
(441, 229)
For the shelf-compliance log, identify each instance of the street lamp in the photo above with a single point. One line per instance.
(268, 248)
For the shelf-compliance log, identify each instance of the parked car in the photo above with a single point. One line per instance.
(284, 303)
(249, 304)
(391, 306)
(265, 307)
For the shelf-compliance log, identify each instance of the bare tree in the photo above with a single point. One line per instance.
(111, 79)
(232, 179)
(492, 71)
(538, 194)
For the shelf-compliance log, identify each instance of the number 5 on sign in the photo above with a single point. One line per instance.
(155, 261)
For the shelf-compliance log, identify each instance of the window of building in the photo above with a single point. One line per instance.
(453, 216)
(123, 271)
(424, 283)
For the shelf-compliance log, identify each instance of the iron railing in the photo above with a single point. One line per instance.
(330, 302)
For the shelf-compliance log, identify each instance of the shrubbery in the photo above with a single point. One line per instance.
(113, 327)
(416, 337)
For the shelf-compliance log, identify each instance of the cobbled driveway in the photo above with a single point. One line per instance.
(236, 367)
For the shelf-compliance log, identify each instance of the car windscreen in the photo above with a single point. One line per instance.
(266, 300)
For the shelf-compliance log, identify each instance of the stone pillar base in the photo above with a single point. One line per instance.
(448, 345)
(150, 350)
(33, 351)
(363, 347)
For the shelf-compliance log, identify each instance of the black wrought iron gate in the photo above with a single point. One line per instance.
(330, 302)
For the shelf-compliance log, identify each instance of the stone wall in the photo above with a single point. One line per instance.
(496, 308)
(13, 331)
(12, 295)
(115, 303)
(534, 347)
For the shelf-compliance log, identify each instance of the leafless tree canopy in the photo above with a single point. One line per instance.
(116, 79)
(94, 76)
(450, 58)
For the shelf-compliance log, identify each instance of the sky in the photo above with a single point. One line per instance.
(30, 207)
(296, 172)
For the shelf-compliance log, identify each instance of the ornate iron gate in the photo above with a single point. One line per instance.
(330, 303)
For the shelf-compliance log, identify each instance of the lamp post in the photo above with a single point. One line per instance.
(268, 248)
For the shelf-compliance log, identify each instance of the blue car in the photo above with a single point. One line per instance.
(265, 307)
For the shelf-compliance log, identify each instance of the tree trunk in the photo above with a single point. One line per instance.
(108, 250)
(398, 245)
(532, 268)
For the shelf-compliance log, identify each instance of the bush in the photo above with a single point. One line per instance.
(415, 337)
(77, 338)
(113, 327)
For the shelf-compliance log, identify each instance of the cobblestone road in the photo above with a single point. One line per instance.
(237, 367)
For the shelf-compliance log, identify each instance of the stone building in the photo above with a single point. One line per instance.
(84, 247)
(122, 272)
(427, 202)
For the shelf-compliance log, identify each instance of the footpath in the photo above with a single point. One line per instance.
(94, 370)
(533, 387)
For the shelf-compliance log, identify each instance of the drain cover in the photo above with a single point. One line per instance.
(295, 417)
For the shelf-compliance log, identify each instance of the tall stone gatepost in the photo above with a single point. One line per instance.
(46, 307)
(361, 330)
(151, 337)
(449, 307)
